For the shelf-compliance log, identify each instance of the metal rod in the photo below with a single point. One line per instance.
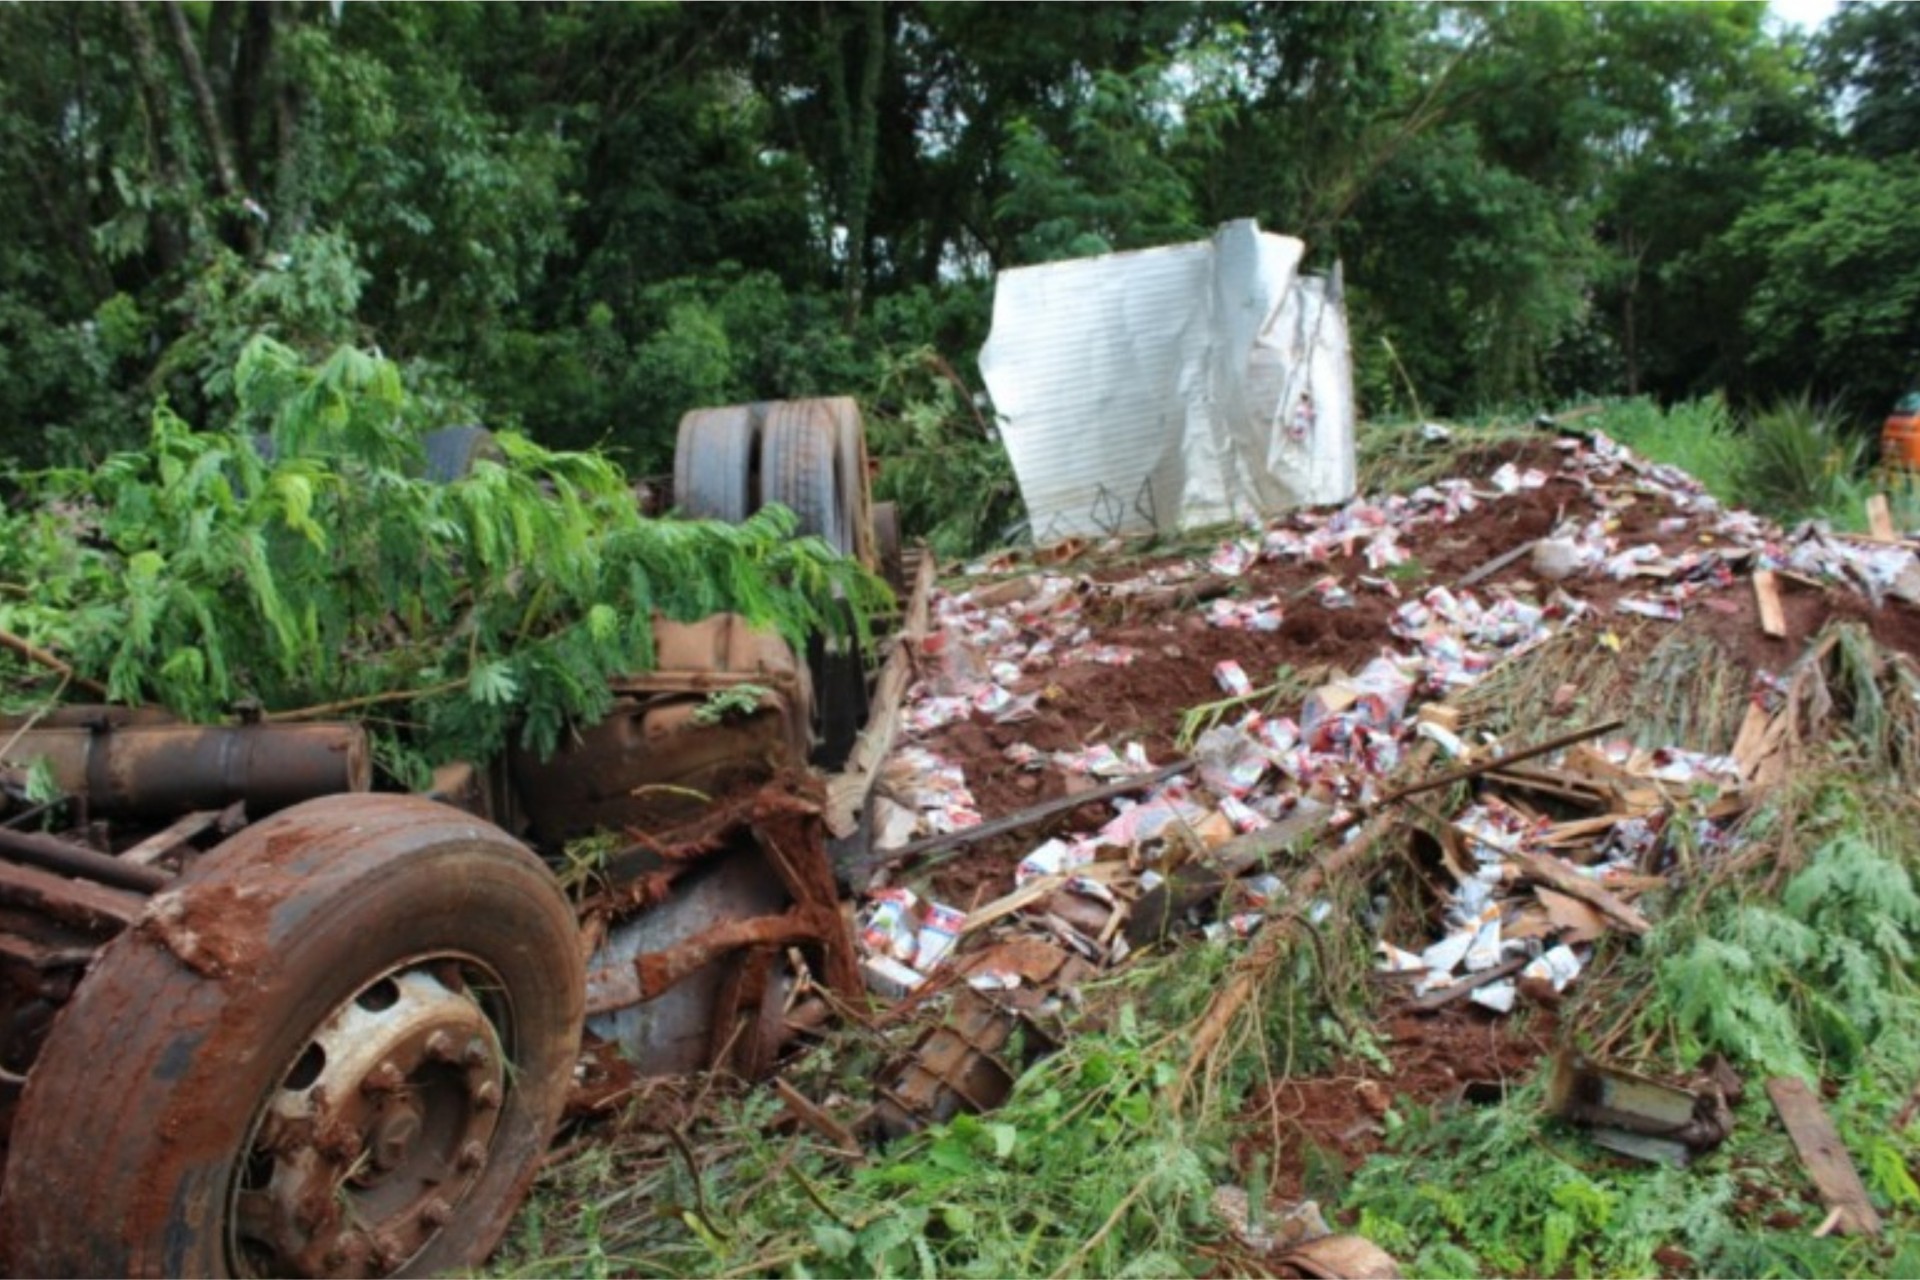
(1498, 762)
(74, 860)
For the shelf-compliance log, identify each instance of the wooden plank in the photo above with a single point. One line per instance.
(1766, 595)
(1824, 1155)
(1747, 743)
(1571, 788)
(1575, 920)
(1032, 814)
(1880, 519)
(847, 790)
(161, 843)
(1550, 872)
(1580, 830)
(1033, 891)
(1434, 1001)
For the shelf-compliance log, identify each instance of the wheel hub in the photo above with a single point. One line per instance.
(377, 1131)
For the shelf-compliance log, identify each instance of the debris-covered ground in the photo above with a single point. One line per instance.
(1228, 916)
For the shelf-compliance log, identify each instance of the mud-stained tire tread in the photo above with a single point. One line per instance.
(799, 469)
(135, 1114)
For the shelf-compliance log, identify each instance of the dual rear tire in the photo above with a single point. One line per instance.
(809, 456)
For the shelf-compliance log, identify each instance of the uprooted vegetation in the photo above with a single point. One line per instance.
(301, 562)
(1752, 816)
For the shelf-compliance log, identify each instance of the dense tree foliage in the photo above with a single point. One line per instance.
(582, 219)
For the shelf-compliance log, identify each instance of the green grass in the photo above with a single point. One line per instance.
(1698, 436)
(1816, 980)
(1791, 460)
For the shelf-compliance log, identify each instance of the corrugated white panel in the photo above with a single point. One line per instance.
(1155, 389)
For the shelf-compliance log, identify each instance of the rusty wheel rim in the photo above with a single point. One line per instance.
(371, 1138)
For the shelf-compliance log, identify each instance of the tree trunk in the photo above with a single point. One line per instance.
(226, 178)
(856, 113)
(252, 56)
(169, 241)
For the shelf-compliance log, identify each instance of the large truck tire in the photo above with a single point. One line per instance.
(804, 461)
(338, 1047)
(713, 463)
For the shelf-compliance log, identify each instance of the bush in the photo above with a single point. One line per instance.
(1797, 464)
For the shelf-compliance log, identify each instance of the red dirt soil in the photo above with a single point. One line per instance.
(1439, 1060)
(1084, 703)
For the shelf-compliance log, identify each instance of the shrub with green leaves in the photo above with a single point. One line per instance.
(197, 573)
(1799, 462)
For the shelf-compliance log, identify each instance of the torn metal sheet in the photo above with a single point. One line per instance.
(1172, 388)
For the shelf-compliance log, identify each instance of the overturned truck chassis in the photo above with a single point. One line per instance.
(688, 934)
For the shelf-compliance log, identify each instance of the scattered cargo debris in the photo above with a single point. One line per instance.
(1641, 1117)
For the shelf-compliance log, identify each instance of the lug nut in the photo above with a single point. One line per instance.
(440, 1047)
(476, 1054)
(472, 1156)
(436, 1213)
(388, 1252)
(384, 1078)
(349, 1255)
(486, 1095)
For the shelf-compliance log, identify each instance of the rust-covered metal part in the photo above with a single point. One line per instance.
(337, 1045)
(656, 758)
(966, 1062)
(159, 771)
(358, 1169)
(699, 980)
(969, 1059)
(1639, 1116)
(71, 859)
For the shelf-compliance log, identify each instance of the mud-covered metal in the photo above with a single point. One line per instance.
(659, 757)
(699, 979)
(91, 908)
(338, 1044)
(71, 859)
(378, 1130)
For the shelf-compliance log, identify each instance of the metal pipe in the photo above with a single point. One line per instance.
(77, 860)
(162, 771)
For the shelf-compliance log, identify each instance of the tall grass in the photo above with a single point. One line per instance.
(1791, 460)
(1698, 436)
(1799, 463)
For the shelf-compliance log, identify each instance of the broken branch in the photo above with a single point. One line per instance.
(35, 654)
